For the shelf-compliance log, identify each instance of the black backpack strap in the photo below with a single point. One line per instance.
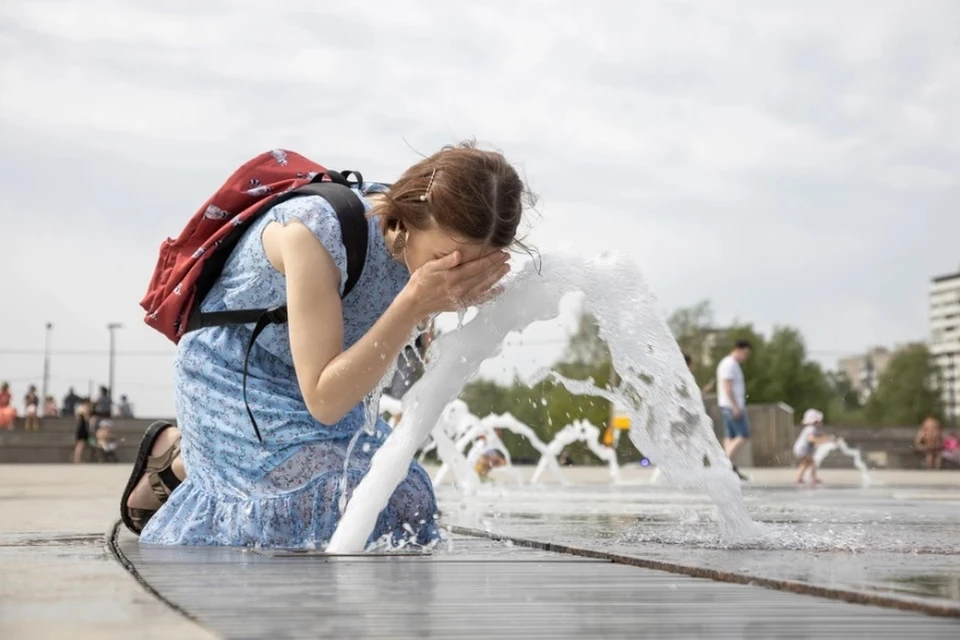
(353, 224)
(276, 315)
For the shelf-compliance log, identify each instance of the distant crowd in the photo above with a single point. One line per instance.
(34, 409)
(94, 429)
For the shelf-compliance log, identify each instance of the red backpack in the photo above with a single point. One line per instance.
(189, 265)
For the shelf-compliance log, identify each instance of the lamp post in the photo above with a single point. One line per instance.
(112, 328)
(46, 364)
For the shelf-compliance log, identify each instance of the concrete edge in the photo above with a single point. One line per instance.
(789, 586)
(112, 543)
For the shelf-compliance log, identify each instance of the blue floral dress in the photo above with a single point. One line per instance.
(289, 490)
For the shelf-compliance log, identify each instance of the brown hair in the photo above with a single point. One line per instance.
(463, 189)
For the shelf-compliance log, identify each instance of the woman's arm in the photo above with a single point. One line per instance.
(334, 381)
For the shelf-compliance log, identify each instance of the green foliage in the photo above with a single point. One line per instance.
(548, 407)
(692, 329)
(908, 391)
(843, 408)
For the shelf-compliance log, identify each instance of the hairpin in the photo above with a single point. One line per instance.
(426, 193)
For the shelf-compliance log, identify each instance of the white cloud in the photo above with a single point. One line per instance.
(796, 163)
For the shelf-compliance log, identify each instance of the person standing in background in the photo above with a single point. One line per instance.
(31, 407)
(50, 409)
(103, 407)
(8, 414)
(70, 402)
(82, 432)
(125, 409)
(732, 398)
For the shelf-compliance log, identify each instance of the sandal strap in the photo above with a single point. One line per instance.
(140, 517)
(157, 471)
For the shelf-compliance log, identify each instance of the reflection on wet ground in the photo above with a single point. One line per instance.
(898, 541)
(471, 584)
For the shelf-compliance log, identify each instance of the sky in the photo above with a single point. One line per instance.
(795, 163)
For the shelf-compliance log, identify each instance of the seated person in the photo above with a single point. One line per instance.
(929, 442)
(951, 449)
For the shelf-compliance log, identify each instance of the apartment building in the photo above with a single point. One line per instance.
(945, 338)
(864, 370)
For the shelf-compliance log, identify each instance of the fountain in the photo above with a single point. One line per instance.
(668, 421)
(841, 445)
(579, 431)
(468, 428)
(456, 421)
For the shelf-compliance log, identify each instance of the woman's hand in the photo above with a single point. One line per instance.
(446, 284)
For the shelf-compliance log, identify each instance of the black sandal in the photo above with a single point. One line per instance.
(159, 471)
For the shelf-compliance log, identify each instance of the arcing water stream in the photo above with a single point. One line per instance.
(669, 423)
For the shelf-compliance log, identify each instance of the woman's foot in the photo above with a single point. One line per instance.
(157, 472)
(143, 496)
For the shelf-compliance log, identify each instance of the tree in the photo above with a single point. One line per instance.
(908, 391)
(843, 408)
(689, 326)
(842, 391)
(789, 376)
(692, 328)
(586, 351)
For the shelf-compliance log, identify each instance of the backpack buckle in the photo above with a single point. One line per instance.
(276, 315)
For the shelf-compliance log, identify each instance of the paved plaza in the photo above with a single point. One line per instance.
(588, 560)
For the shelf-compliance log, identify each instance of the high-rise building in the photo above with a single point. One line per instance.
(945, 338)
(864, 370)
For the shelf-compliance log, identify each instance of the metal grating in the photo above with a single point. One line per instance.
(486, 589)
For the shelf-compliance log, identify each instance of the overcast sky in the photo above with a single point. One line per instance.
(797, 163)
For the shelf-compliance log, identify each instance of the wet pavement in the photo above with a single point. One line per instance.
(896, 541)
(470, 586)
(899, 541)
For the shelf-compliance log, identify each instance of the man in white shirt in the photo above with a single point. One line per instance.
(732, 398)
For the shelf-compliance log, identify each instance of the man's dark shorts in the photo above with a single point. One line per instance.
(735, 427)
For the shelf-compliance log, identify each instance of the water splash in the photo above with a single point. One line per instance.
(577, 431)
(841, 445)
(669, 423)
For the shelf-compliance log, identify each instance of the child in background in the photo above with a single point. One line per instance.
(484, 458)
(806, 444)
(105, 442)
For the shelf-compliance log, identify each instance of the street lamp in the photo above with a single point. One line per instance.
(112, 327)
(46, 364)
